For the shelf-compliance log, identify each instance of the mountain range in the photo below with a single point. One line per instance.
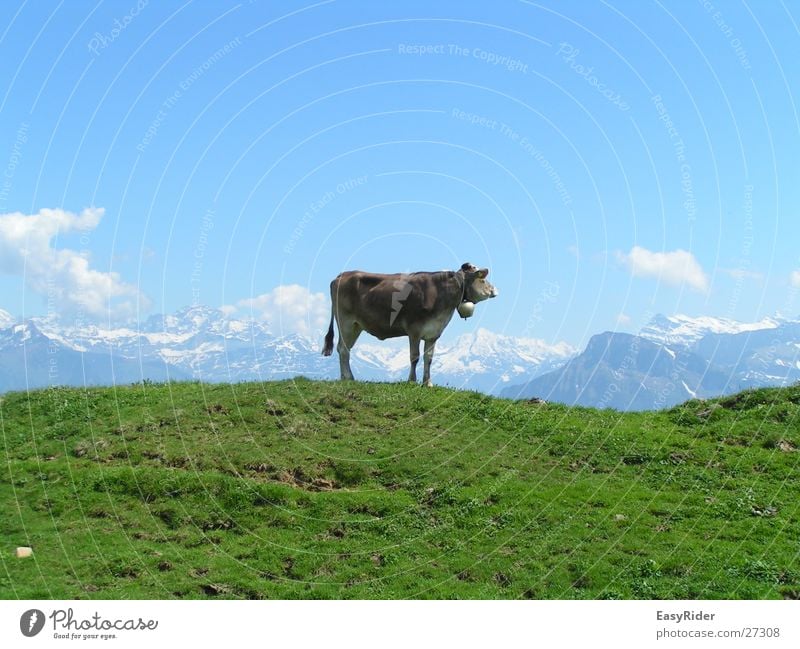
(203, 343)
(672, 358)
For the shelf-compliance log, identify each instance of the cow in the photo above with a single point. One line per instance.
(417, 305)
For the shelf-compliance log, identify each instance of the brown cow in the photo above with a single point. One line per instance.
(417, 305)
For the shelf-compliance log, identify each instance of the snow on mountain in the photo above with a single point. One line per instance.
(202, 342)
(482, 360)
(627, 372)
(673, 359)
(390, 356)
(691, 356)
(684, 330)
(6, 319)
(498, 355)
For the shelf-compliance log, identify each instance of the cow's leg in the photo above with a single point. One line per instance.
(413, 344)
(430, 345)
(348, 334)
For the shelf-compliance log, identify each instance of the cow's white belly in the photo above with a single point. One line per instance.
(434, 327)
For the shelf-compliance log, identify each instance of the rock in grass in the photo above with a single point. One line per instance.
(23, 552)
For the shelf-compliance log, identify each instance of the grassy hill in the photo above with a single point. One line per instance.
(329, 490)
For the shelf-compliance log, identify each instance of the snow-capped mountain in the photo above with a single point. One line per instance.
(673, 359)
(201, 342)
(6, 319)
(684, 331)
(34, 354)
(483, 360)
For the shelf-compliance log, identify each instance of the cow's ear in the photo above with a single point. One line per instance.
(483, 272)
(466, 267)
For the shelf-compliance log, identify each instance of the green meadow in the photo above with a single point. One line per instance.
(306, 489)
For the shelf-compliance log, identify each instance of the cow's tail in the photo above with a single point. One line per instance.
(328, 349)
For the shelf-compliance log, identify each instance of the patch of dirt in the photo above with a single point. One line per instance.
(704, 414)
(337, 532)
(252, 594)
(273, 408)
(288, 568)
(298, 478)
(735, 441)
(215, 589)
(261, 467)
(503, 579)
(631, 460)
(217, 408)
(82, 448)
(786, 446)
(217, 525)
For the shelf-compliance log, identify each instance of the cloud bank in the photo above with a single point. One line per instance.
(288, 309)
(61, 275)
(677, 268)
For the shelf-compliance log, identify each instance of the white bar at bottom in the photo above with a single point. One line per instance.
(372, 624)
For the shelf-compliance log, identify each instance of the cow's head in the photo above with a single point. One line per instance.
(476, 286)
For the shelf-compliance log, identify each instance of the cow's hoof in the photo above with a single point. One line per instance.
(428, 384)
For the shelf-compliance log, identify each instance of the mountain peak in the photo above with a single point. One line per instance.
(6, 319)
(197, 309)
(681, 329)
(185, 320)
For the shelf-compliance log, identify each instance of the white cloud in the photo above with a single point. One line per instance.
(676, 267)
(62, 275)
(288, 309)
(228, 309)
(794, 278)
(623, 319)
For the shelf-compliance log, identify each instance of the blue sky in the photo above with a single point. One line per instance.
(606, 160)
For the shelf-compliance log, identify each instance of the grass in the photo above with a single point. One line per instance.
(302, 489)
